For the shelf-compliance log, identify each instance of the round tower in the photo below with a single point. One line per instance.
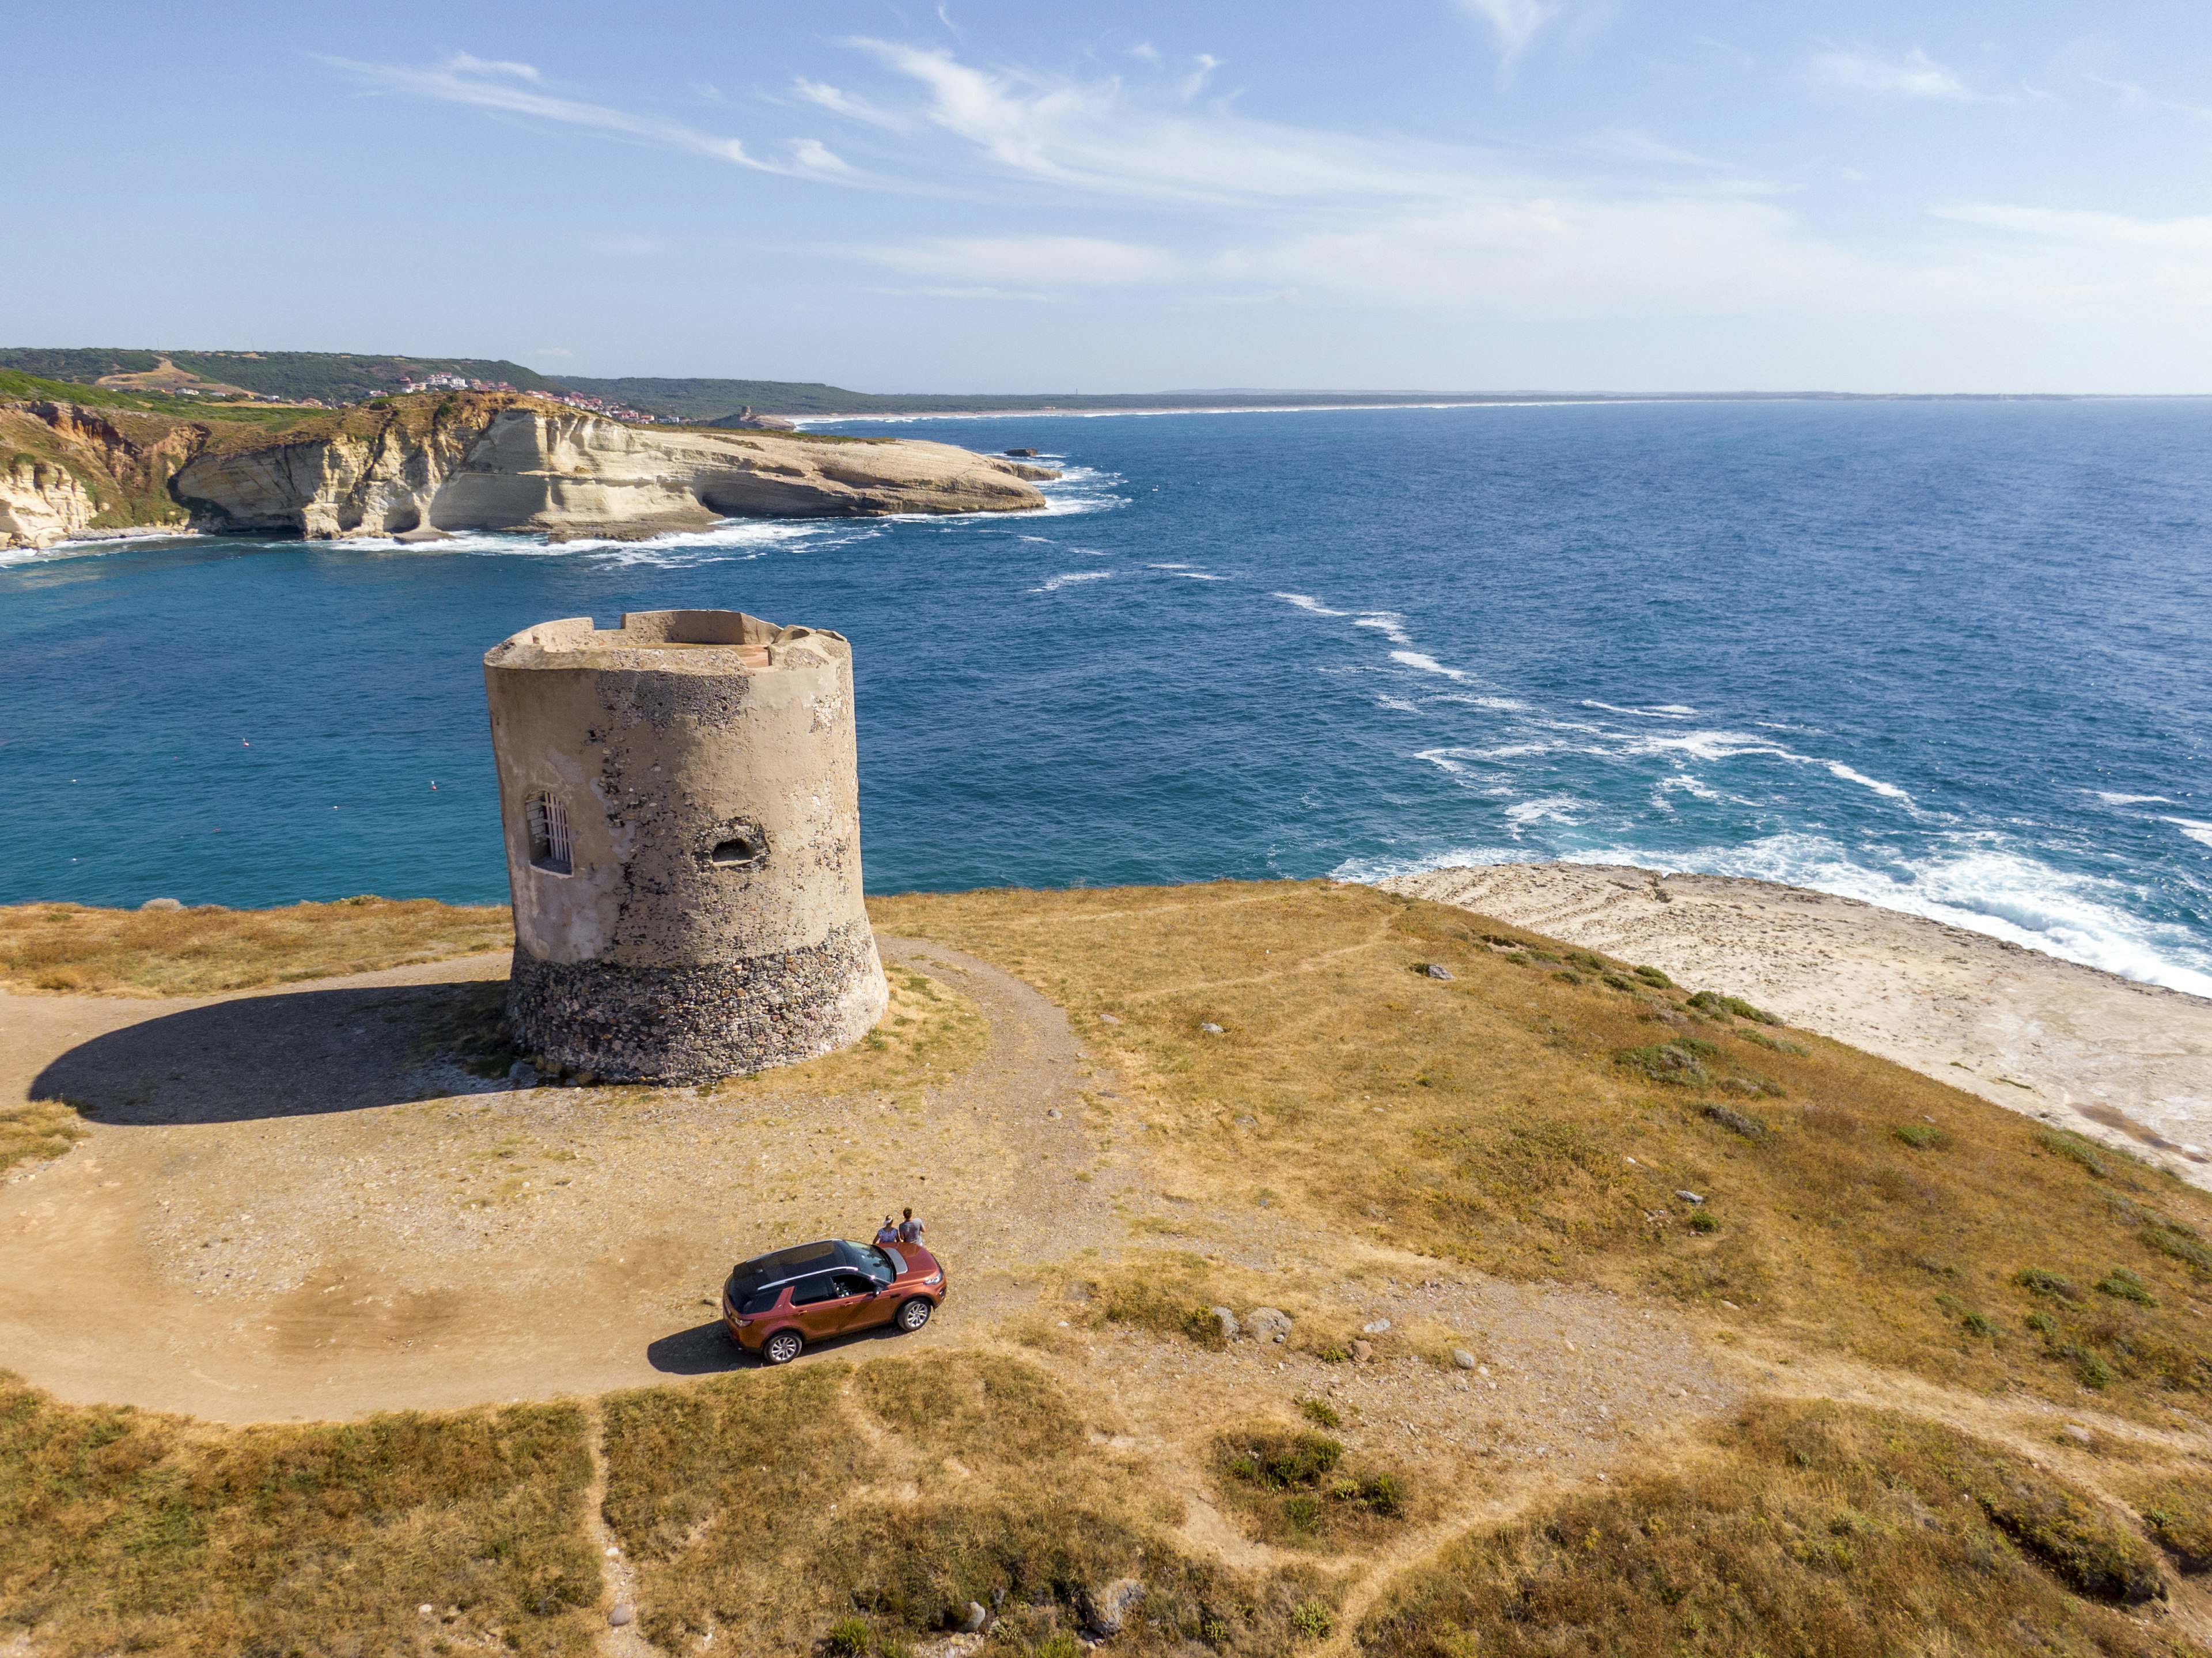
(681, 799)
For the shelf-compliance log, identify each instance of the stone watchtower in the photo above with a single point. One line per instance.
(681, 799)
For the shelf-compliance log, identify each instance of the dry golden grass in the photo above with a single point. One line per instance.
(1508, 1119)
(42, 1128)
(125, 1532)
(771, 1507)
(2177, 1510)
(201, 952)
(1537, 1128)
(1795, 1529)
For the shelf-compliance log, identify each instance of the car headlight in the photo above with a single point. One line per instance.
(936, 1277)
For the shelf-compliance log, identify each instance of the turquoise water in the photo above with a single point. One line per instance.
(1948, 656)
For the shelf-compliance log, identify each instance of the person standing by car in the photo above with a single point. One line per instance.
(888, 1232)
(910, 1230)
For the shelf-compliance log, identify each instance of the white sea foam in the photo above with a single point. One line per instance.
(1388, 623)
(1396, 704)
(1199, 575)
(1544, 809)
(1660, 711)
(1887, 791)
(1306, 602)
(1080, 489)
(1059, 581)
(1499, 704)
(2131, 799)
(92, 546)
(1448, 760)
(1425, 663)
(2200, 833)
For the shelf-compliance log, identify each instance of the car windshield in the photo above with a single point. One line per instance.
(878, 1263)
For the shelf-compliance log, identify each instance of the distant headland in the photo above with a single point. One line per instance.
(139, 452)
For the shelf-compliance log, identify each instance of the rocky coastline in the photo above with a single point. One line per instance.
(423, 467)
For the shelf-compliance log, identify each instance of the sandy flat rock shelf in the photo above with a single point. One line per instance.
(427, 466)
(506, 464)
(2126, 1063)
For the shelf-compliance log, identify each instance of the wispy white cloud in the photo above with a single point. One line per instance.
(1033, 261)
(1516, 24)
(838, 101)
(1916, 74)
(1106, 137)
(2134, 93)
(2084, 227)
(513, 88)
(1620, 144)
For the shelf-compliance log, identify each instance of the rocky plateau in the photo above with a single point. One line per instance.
(421, 468)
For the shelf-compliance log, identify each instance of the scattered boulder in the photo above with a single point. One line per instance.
(1022, 454)
(622, 1614)
(972, 1619)
(163, 903)
(1108, 1019)
(1362, 1351)
(522, 1074)
(1211, 1029)
(2080, 1435)
(1436, 970)
(1227, 1320)
(1375, 1327)
(1463, 1358)
(1106, 1610)
(1269, 1324)
(1689, 1197)
(1051, 1111)
(1248, 1121)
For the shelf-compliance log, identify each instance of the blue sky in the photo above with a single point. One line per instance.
(1451, 194)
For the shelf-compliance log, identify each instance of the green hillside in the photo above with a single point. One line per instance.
(330, 376)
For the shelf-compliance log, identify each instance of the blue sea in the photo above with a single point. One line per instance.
(1952, 657)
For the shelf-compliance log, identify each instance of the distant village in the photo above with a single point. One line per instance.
(448, 382)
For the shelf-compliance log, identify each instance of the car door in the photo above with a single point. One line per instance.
(819, 1305)
(868, 1308)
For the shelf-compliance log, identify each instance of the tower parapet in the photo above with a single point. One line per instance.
(681, 801)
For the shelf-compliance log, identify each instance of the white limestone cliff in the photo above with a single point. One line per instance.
(524, 464)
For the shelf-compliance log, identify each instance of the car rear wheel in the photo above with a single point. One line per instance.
(914, 1316)
(782, 1347)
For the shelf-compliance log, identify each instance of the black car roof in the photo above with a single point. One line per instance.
(803, 1261)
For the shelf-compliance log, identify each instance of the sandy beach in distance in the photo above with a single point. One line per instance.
(2127, 1064)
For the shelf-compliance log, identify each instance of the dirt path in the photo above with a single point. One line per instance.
(284, 1212)
(2126, 1063)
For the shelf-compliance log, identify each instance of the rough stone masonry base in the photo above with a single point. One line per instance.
(687, 1024)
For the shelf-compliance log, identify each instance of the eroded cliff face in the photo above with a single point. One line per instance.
(40, 503)
(421, 467)
(492, 462)
(67, 472)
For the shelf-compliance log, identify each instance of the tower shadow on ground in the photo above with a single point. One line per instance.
(297, 1053)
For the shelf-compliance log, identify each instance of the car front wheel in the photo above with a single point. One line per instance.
(782, 1347)
(914, 1316)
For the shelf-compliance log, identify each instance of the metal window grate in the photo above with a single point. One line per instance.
(549, 833)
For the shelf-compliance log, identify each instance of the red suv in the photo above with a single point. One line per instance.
(773, 1305)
